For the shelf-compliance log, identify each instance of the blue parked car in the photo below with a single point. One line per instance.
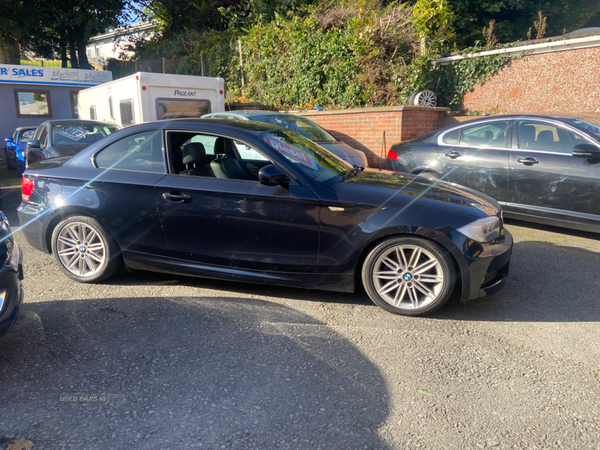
(16, 146)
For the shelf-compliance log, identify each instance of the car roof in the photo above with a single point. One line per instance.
(82, 121)
(246, 125)
(25, 128)
(247, 113)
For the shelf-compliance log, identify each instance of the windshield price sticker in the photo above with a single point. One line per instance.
(29, 134)
(291, 152)
(72, 132)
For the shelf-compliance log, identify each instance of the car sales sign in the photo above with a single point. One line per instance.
(293, 154)
(71, 132)
(52, 75)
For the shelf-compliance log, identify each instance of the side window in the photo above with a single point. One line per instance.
(92, 113)
(204, 155)
(141, 152)
(491, 134)
(248, 153)
(542, 136)
(126, 109)
(44, 137)
(74, 111)
(452, 137)
(110, 107)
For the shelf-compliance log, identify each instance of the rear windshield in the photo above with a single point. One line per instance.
(26, 135)
(80, 133)
(298, 124)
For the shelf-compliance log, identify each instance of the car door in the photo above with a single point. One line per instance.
(122, 189)
(545, 178)
(235, 223)
(477, 156)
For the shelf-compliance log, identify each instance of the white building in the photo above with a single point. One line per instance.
(113, 43)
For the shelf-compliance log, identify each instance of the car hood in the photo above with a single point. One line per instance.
(387, 188)
(344, 151)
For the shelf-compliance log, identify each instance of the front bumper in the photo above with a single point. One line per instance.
(483, 266)
(11, 282)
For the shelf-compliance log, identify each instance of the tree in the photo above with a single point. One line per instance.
(513, 18)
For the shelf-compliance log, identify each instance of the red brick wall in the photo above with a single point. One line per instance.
(364, 129)
(566, 82)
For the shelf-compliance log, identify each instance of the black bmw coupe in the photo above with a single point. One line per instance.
(248, 201)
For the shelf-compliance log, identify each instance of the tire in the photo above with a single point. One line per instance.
(85, 250)
(391, 281)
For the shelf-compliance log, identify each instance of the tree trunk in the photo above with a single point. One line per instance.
(62, 44)
(9, 50)
(80, 41)
(73, 53)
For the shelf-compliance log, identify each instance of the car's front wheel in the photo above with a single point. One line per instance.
(85, 250)
(409, 276)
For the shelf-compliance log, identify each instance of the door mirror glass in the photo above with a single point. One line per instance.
(586, 151)
(271, 175)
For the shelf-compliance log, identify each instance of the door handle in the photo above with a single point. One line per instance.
(453, 154)
(176, 197)
(528, 161)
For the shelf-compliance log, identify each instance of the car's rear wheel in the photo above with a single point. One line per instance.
(409, 276)
(84, 250)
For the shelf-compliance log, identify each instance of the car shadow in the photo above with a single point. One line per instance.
(220, 371)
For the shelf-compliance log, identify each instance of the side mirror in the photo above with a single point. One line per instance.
(271, 175)
(9, 140)
(586, 151)
(33, 145)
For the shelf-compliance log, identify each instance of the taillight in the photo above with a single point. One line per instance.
(26, 188)
(392, 154)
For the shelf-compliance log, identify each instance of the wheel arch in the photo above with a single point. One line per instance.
(63, 214)
(460, 271)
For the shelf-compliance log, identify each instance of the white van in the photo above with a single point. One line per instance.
(145, 97)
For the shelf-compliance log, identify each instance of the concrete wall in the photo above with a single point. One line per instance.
(557, 83)
(374, 130)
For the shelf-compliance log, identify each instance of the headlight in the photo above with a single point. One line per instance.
(482, 230)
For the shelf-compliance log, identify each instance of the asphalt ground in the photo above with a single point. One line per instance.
(196, 363)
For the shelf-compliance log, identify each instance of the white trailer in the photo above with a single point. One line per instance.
(145, 97)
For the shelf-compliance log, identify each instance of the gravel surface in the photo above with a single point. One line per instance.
(218, 365)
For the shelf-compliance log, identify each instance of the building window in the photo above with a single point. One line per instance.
(33, 103)
(73, 95)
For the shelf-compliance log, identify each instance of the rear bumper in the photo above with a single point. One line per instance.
(11, 282)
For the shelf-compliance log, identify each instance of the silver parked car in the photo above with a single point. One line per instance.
(301, 125)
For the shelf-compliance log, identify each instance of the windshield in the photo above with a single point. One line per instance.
(298, 124)
(312, 159)
(80, 133)
(582, 124)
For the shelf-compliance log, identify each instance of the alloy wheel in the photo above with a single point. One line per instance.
(80, 249)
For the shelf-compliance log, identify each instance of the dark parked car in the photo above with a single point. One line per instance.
(66, 137)
(16, 146)
(540, 169)
(11, 277)
(247, 201)
(302, 125)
